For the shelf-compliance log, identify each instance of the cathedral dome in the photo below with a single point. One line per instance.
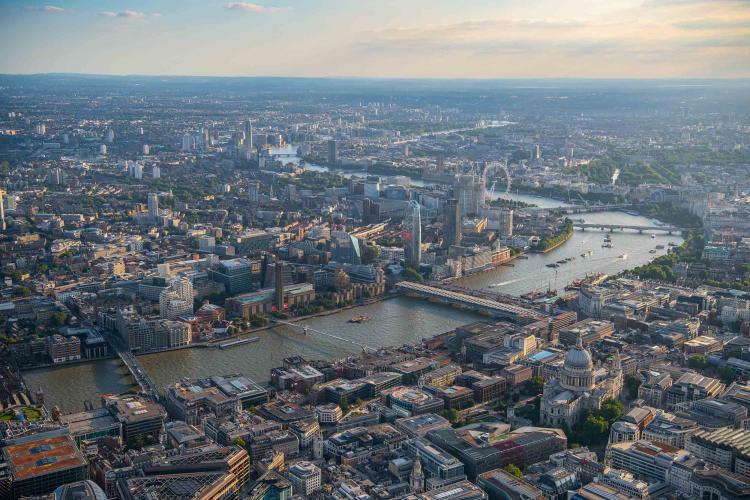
(578, 358)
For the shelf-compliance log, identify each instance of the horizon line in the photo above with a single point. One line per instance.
(375, 78)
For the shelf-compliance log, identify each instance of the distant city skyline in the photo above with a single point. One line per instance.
(380, 38)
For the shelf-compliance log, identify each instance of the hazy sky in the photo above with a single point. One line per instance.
(379, 38)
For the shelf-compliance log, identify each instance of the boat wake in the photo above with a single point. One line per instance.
(503, 283)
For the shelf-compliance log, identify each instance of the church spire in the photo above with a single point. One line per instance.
(416, 478)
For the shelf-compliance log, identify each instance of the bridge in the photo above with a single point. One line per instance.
(284, 155)
(306, 329)
(131, 363)
(578, 209)
(611, 227)
(494, 308)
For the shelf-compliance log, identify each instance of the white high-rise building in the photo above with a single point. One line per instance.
(156, 172)
(2, 212)
(103, 149)
(41, 129)
(188, 142)
(153, 206)
(146, 150)
(177, 300)
(138, 171)
(415, 250)
(110, 136)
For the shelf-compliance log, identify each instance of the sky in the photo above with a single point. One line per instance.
(380, 38)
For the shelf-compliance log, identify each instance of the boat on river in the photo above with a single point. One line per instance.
(359, 319)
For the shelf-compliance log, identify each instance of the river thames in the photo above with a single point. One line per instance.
(394, 322)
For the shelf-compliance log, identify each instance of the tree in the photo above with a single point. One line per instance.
(370, 253)
(512, 469)
(451, 415)
(611, 410)
(594, 429)
(59, 319)
(632, 383)
(239, 442)
(697, 362)
(727, 374)
(412, 275)
(344, 405)
(534, 386)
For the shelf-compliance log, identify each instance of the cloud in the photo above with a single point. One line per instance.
(49, 9)
(667, 3)
(713, 24)
(125, 14)
(253, 7)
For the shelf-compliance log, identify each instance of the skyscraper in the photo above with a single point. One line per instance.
(470, 191)
(249, 134)
(278, 274)
(253, 191)
(415, 250)
(153, 206)
(452, 227)
(206, 138)
(506, 222)
(333, 152)
(2, 211)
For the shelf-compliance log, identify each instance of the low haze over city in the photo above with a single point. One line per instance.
(375, 250)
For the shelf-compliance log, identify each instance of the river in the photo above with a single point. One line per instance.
(395, 321)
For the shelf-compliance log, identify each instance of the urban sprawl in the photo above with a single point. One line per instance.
(143, 216)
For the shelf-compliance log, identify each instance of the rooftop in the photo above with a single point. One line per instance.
(42, 454)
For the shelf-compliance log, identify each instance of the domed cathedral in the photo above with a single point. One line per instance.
(578, 386)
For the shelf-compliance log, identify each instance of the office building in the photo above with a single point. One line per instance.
(141, 421)
(415, 240)
(2, 211)
(462, 490)
(249, 134)
(453, 223)
(238, 275)
(692, 387)
(39, 463)
(439, 467)
(502, 485)
(646, 460)
(469, 190)
(726, 448)
(333, 152)
(305, 477)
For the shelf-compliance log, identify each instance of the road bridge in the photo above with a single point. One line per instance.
(494, 308)
(132, 364)
(640, 228)
(306, 329)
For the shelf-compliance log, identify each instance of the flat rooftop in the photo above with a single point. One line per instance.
(43, 455)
